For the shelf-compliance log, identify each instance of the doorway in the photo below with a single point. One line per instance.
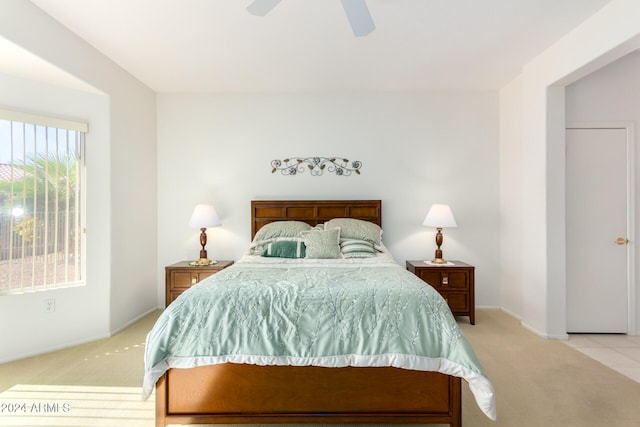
(599, 221)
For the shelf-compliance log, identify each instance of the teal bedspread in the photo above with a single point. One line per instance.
(322, 315)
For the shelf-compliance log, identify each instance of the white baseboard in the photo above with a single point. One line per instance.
(76, 342)
(132, 321)
(511, 313)
(55, 348)
(530, 328)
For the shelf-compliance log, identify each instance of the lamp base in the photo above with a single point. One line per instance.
(437, 257)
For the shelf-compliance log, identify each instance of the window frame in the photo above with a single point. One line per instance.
(80, 129)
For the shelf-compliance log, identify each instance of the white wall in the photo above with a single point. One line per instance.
(604, 37)
(25, 328)
(511, 198)
(416, 149)
(611, 95)
(121, 218)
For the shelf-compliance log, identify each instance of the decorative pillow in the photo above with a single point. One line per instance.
(284, 249)
(322, 244)
(351, 228)
(281, 229)
(355, 248)
(257, 247)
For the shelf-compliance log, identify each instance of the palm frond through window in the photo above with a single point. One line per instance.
(41, 204)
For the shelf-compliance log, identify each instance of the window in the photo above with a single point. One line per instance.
(41, 202)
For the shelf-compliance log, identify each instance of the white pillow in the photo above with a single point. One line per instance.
(281, 229)
(351, 228)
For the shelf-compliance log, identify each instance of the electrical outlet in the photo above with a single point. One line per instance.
(50, 305)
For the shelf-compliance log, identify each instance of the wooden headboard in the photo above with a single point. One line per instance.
(313, 211)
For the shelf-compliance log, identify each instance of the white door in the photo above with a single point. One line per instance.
(596, 227)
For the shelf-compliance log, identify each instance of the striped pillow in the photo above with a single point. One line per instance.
(356, 248)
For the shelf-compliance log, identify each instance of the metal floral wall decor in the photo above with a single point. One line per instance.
(316, 166)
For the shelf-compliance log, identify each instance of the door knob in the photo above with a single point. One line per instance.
(621, 241)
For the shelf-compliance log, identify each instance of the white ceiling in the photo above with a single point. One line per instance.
(307, 45)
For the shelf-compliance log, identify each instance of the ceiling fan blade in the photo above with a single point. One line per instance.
(262, 7)
(359, 17)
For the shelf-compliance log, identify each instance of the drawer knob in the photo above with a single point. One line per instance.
(445, 280)
(194, 280)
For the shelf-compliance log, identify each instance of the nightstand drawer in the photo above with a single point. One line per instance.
(185, 279)
(458, 301)
(181, 276)
(445, 279)
(173, 295)
(182, 279)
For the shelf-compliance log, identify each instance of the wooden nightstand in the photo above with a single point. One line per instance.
(454, 282)
(181, 276)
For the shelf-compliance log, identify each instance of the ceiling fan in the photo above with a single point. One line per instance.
(356, 10)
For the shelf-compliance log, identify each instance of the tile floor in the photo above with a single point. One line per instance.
(619, 352)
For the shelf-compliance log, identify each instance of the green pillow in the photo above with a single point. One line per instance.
(322, 244)
(284, 249)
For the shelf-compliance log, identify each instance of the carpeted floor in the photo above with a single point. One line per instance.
(68, 405)
(90, 385)
(538, 382)
(545, 382)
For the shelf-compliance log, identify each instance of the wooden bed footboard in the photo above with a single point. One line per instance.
(249, 394)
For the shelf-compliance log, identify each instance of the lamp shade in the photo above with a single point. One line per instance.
(204, 216)
(440, 216)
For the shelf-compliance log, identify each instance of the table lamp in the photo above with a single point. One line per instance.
(439, 216)
(204, 216)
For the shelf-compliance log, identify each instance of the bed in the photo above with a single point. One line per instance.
(307, 371)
